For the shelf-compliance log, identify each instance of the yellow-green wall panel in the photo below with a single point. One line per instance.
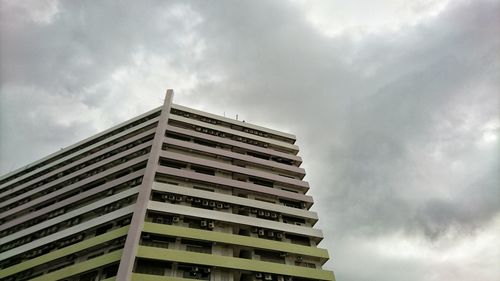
(232, 263)
(234, 239)
(147, 277)
(64, 251)
(81, 267)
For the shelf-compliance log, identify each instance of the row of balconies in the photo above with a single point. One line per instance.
(71, 207)
(78, 178)
(213, 225)
(64, 196)
(78, 168)
(229, 191)
(198, 202)
(235, 162)
(74, 258)
(68, 241)
(80, 147)
(227, 174)
(230, 126)
(213, 141)
(67, 223)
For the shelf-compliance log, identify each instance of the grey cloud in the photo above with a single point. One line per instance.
(390, 124)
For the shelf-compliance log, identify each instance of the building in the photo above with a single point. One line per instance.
(173, 194)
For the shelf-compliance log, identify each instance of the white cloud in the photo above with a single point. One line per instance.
(334, 18)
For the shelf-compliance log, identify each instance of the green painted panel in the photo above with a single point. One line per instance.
(64, 251)
(81, 267)
(234, 239)
(147, 277)
(232, 263)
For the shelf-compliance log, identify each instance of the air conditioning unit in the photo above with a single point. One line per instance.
(171, 197)
(197, 200)
(175, 219)
(254, 211)
(227, 205)
(195, 269)
(189, 199)
(268, 214)
(279, 235)
(274, 215)
(178, 198)
(205, 203)
(299, 258)
(261, 232)
(212, 203)
(268, 277)
(280, 278)
(258, 275)
(220, 206)
(204, 223)
(261, 213)
(211, 225)
(270, 234)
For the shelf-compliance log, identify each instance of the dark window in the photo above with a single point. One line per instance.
(301, 240)
(205, 143)
(261, 182)
(203, 170)
(178, 137)
(110, 271)
(258, 155)
(172, 164)
(103, 229)
(152, 267)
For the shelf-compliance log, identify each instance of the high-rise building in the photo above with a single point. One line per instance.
(173, 194)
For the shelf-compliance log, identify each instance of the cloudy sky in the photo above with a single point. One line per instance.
(395, 105)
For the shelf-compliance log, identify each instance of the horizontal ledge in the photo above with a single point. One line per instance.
(233, 239)
(234, 122)
(233, 218)
(81, 267)
(221, 197)
(85, 244)
(232, 263)
(234, 184)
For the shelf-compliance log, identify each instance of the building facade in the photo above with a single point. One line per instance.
(173, 194)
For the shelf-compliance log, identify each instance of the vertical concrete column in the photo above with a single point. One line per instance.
(134, 234)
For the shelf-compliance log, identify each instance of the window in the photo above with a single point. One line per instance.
(203, 170)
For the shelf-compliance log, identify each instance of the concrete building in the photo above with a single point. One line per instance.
(173, 194)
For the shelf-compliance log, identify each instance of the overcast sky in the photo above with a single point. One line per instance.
(395, 105)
